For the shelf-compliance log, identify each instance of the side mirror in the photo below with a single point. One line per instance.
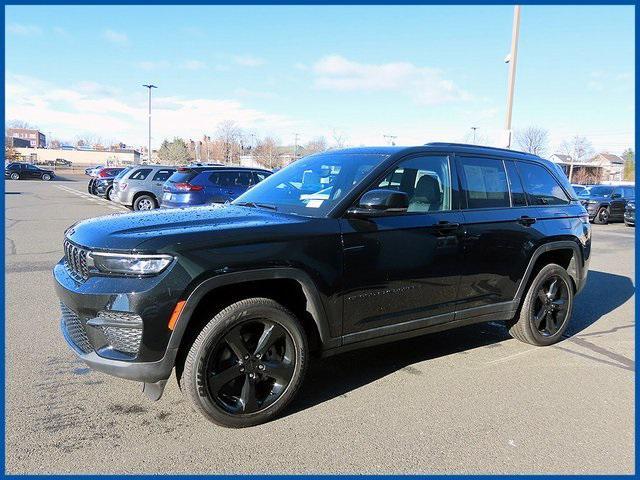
(380, 202)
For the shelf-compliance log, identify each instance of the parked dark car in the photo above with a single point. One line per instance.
(59, 162)
(103, 178)
(20, 171)
(103, 185)
(207, 185)
(606, 203)
(630, 213)
(339, 250)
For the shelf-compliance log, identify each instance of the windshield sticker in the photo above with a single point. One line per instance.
(317, 203)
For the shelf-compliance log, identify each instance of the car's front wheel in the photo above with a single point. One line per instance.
(546, 309)
(15, 176)
(246, 364)
(602, 217)
(111, 194)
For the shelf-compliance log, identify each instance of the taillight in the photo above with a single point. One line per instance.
(123, 186)
(103, 173)
(187, 187)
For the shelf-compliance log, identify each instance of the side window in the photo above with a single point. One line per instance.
(260, 176)
(426, 180)
(140, 174)
(226, 179)
(518, 197)
(162, 175)
(485, 182)
(541, 187)
(244, 179)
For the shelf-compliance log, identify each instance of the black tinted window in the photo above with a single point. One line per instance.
(541, 187)
(518, 198)
(485, 182)
(162, 175)
(140, 174)
(244, 179)
(260, 176)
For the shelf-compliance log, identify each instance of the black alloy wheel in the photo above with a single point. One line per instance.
(246, 364)
(602, 217)
(550, 307)
(546, 309)
(251, 367)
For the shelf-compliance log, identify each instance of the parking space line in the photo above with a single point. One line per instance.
(91, 198)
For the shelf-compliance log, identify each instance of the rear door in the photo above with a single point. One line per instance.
(157, 181)
(501, 231)
(619, 198)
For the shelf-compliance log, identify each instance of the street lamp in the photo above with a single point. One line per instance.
(512, 59)
(150, 86)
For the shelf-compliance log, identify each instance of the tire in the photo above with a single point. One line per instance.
(549, 329)
(46, 177)
(602, 217)
(629, 224)
(145, 202)
(110, 195)
(15, 176)
(223, 404)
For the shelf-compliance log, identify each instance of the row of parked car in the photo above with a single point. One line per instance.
(609, 203)
(147, 187)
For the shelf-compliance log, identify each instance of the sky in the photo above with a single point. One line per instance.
(420, 73)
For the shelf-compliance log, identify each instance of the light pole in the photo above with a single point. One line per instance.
(295, 148)
(512, 59)
(149, 86)
(474, 134)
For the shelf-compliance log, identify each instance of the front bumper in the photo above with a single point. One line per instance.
(118, 325)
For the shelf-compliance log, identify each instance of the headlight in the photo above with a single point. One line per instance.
(128, 264)
(631, 205)
(592, 202)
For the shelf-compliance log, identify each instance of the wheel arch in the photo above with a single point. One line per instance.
(566, 253)
(244, 284)
(144, 192)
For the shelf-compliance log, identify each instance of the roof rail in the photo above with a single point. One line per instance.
(449, 144)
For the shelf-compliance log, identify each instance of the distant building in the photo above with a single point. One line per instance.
(35, 138)
(603, 167)
(81, 157)
(16, 142)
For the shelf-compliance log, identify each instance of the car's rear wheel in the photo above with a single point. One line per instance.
(247, 363)
(602, 217)
(46, 177)
(546, 310)
(15, 176)
(144, 202)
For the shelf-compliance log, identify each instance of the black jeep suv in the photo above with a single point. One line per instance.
(605, 203)
(339, 250)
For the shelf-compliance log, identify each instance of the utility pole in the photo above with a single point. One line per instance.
(512, 60)
(390, 138)
(474, 134)
(149, 86)
(295, 148)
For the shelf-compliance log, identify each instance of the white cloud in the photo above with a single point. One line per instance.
(425, 85)
(66, 111)
(61, 32)
(246, 93)
(193, 65)
(117, 38)
(24, 29)
(248, 61)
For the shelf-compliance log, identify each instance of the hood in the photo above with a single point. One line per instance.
(173, 229)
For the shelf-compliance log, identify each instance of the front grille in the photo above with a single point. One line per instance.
(75, 329)
(123, 339)
(76, 260)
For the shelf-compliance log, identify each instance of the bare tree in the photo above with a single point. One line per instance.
(318, 144)
(533, 140)
(578, 148)
(19, 124)
(228, 134)
(339, 138)
(266, 152)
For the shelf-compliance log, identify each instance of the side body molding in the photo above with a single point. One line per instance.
(315, 306)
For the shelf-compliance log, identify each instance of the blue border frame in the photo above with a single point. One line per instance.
(285, 2)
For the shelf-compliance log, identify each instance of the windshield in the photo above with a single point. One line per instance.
(313, 185)
(600, 191)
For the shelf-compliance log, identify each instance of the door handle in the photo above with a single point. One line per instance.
(526, 221)
(444, 226)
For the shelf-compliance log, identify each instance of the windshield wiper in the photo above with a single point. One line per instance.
(258, 205)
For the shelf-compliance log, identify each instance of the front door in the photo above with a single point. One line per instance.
(619, 198)
(401, 271)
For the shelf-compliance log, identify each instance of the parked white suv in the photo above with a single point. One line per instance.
(141, 187)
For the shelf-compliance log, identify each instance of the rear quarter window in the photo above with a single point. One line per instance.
(162, 175)
(540, 186)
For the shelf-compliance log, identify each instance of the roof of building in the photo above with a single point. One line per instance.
(610, 157)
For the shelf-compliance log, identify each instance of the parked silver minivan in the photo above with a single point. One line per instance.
(141, 187)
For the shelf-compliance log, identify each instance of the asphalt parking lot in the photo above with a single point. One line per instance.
(471, 400)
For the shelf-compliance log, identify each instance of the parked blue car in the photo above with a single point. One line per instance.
(205, 185)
